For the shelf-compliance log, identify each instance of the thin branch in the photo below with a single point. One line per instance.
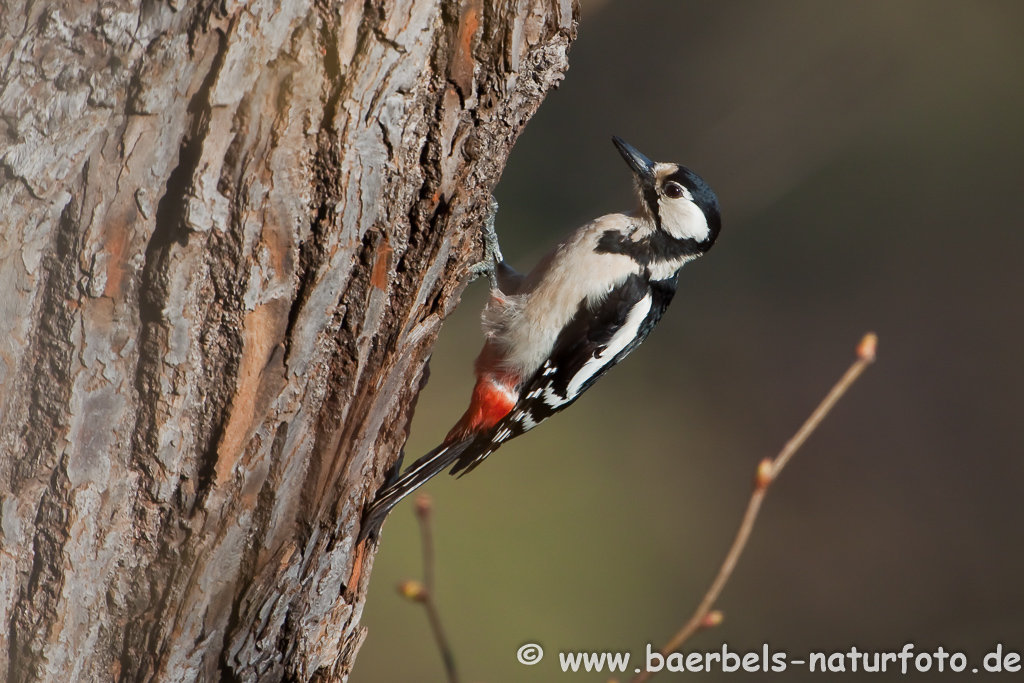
(423, 509)
(767, 471)
(423, 593)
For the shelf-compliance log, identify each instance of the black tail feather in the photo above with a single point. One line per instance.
(418, 474)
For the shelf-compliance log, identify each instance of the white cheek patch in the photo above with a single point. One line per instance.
(683, 219)
(621, 340)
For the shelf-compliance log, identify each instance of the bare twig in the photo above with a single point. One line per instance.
(423, 509)
(767, 471)
(423, 593)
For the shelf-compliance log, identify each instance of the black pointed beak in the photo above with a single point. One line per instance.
(641, 165)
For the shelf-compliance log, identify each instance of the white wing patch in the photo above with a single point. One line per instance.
(621, 340)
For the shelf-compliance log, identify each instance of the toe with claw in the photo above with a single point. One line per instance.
(492, 251)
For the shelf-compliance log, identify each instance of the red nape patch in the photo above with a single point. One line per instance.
(492, 401)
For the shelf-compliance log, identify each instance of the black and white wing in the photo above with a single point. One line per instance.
(593, 342)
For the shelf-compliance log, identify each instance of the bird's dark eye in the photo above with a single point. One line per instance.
(673, 190)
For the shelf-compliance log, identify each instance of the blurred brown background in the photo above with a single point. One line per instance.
(869, 158)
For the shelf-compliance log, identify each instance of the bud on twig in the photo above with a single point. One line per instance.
(424, 504)
(867, 347)
(712, 619)
(765, 474)
(412, 591)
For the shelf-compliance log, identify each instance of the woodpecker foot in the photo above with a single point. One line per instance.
(492, 251)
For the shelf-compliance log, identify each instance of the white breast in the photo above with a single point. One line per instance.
(525, 326)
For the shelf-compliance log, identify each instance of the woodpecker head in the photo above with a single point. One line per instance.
(675, 199)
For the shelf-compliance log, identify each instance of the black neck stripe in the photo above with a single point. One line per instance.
(658, 246)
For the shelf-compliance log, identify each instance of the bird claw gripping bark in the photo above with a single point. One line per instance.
(492, 251)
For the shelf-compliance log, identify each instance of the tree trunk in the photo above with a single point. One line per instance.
(231, 233)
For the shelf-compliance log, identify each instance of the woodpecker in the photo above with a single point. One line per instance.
(552, 333)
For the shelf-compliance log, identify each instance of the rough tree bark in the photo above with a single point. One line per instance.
(231, 231)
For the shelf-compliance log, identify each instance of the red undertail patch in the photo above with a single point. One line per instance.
(491, 401)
